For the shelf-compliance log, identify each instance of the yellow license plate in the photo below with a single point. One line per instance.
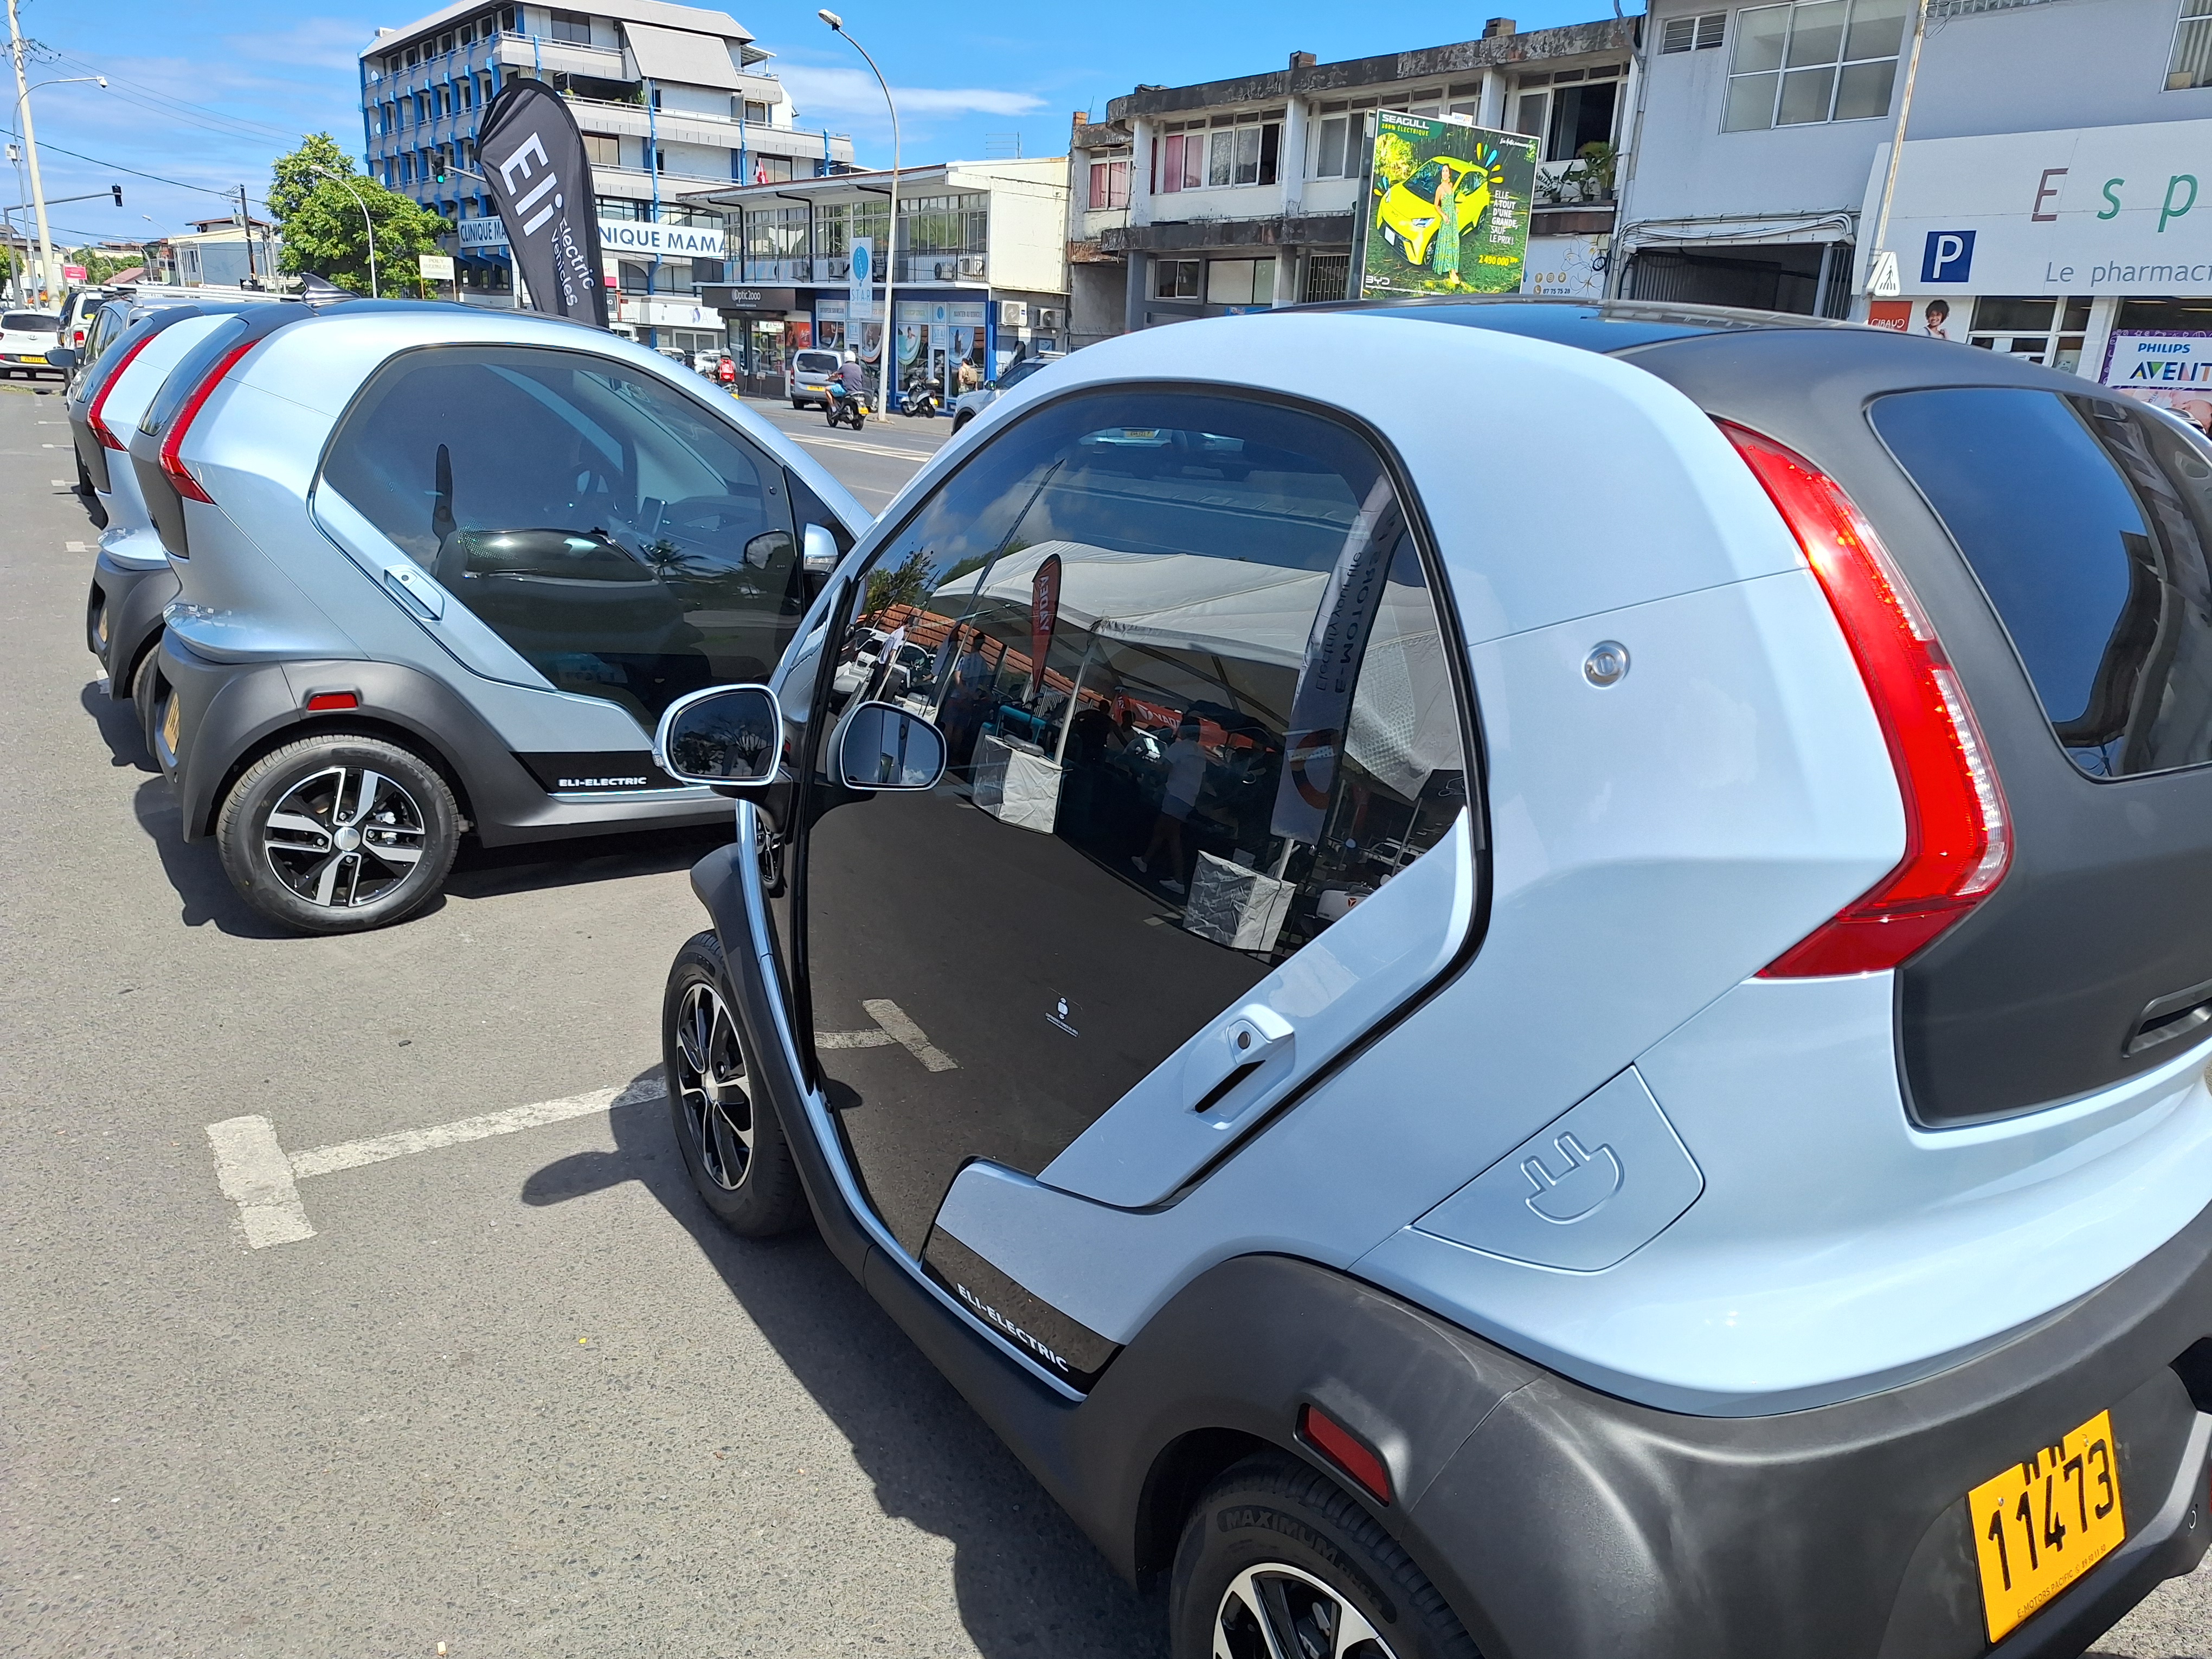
(2046, 1520)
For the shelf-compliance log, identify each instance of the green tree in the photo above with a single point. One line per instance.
(320, 221)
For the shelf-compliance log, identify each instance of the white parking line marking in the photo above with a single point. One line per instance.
(866, 449)
(257, 1175)
(908, 1036)
(74, 547)
(64, 483)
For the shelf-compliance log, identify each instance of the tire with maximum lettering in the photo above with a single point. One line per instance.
(1277, 1559)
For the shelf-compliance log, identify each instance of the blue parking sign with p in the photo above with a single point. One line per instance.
(1948, 256)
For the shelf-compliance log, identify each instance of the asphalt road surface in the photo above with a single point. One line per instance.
(482, 1373)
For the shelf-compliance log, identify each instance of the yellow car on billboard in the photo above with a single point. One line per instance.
(1410, 212)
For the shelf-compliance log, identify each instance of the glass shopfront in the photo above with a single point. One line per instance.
(942, 342)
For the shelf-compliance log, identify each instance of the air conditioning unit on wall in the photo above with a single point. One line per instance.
(1013, 313)
(1052, 318)
(946, 270)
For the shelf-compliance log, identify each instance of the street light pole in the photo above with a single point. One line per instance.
(366, 224)
(15, 50)
(890, 347)
(1896, 141)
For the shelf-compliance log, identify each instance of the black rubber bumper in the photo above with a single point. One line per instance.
(1559, 1522)
(232, 712)
(123, 616)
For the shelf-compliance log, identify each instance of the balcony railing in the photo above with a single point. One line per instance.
(913, 269)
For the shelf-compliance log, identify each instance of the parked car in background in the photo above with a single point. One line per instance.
(807, 382)
(1631, 1084)
(131, 581)
(439, 570)
(78, 307)
(969, 404)
(27, 340)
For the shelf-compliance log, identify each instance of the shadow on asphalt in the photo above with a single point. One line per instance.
(1028, 1583)
(481, 872)
(117, 721)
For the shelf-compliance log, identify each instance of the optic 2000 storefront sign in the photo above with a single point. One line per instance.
(2123, 210)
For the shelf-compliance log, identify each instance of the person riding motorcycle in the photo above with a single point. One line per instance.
(852, 380)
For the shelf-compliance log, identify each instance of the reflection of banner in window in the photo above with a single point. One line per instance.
(1044, 617)
(1322, 706)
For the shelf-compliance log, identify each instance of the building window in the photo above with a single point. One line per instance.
(1227, 151)
(2039, 328)
(1574, 108)
(2192, 48)
(756, 111)
(445, 41)
(1328, 275)
(407, 61)
(406, 169)
(1177, 279)
(1693, 34)
(1109, 185)
(1240, 281)
(1822, 60)
(602, 151)
(1341, 139)
(572, 25)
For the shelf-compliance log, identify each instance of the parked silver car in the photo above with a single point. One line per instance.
(440, 571)
(969, 404)
(806, 382)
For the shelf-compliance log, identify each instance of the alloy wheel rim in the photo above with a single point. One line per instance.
(344, 836)
(1277, 1611)
(710, 1083)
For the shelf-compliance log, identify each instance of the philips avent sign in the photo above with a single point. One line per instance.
(2084, 211)
(624, 236)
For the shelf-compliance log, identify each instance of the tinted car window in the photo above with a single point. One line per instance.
(2087, 524)
(625, 542)
(30, 322)
(1188, 552)
(816, 362)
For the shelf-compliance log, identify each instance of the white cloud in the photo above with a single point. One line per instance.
(316, 42)
(854, 92)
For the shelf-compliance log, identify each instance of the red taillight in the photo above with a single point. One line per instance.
(171, 465)
(1338, 1443)
(323, 703)
(1957, 842)
(100, 429)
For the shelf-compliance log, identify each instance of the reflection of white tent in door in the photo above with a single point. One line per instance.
(1402, 726)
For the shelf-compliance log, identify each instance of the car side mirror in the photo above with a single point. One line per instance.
(727, 736)
(819, 551)
(884, 747)
(62, 357)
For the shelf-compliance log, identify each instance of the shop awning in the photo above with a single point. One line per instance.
(662, 54)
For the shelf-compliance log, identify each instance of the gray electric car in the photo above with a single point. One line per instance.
(139, 343)
(1460, 1072)
(439, 571)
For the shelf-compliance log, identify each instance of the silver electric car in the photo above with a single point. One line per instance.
(439, 571)
(1461, 1076)
(131, 581)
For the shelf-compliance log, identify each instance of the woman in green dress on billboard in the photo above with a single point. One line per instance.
(1443, 258)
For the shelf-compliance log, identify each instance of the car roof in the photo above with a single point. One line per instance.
(1605, 326)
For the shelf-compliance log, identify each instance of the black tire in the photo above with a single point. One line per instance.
(732, 1139)
(372, 862)
(798, 402)
(960, 420)
(1304, 1539)
(146, 695)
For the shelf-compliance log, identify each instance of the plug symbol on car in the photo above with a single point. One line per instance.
(1590, 1178)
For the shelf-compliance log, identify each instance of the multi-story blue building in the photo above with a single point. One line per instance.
(670, 99)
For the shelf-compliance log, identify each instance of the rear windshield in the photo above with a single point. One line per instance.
(816, 362)
(2087, 524)
(29, 322)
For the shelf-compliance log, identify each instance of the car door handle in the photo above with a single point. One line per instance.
(421, 593)
(1248, 1040)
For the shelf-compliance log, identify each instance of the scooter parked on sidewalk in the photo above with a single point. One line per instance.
(923, 395)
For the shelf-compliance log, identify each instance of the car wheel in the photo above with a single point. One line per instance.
(1278, 1560)
(146, 695)
(960, 420)
(338, 834)
(732, 1141)
(798, 402)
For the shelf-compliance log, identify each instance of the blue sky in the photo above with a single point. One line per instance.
(203, 95)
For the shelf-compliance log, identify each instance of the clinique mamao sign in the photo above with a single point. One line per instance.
(2124, 210)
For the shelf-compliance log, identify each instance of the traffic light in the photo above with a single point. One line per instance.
(118, 189)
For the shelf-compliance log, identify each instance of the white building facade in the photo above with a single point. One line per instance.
(669, 98)
(981, 268)
(2046, 197)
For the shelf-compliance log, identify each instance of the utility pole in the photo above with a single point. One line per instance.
(31, 145)
(1897, 140)
(244, 223)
